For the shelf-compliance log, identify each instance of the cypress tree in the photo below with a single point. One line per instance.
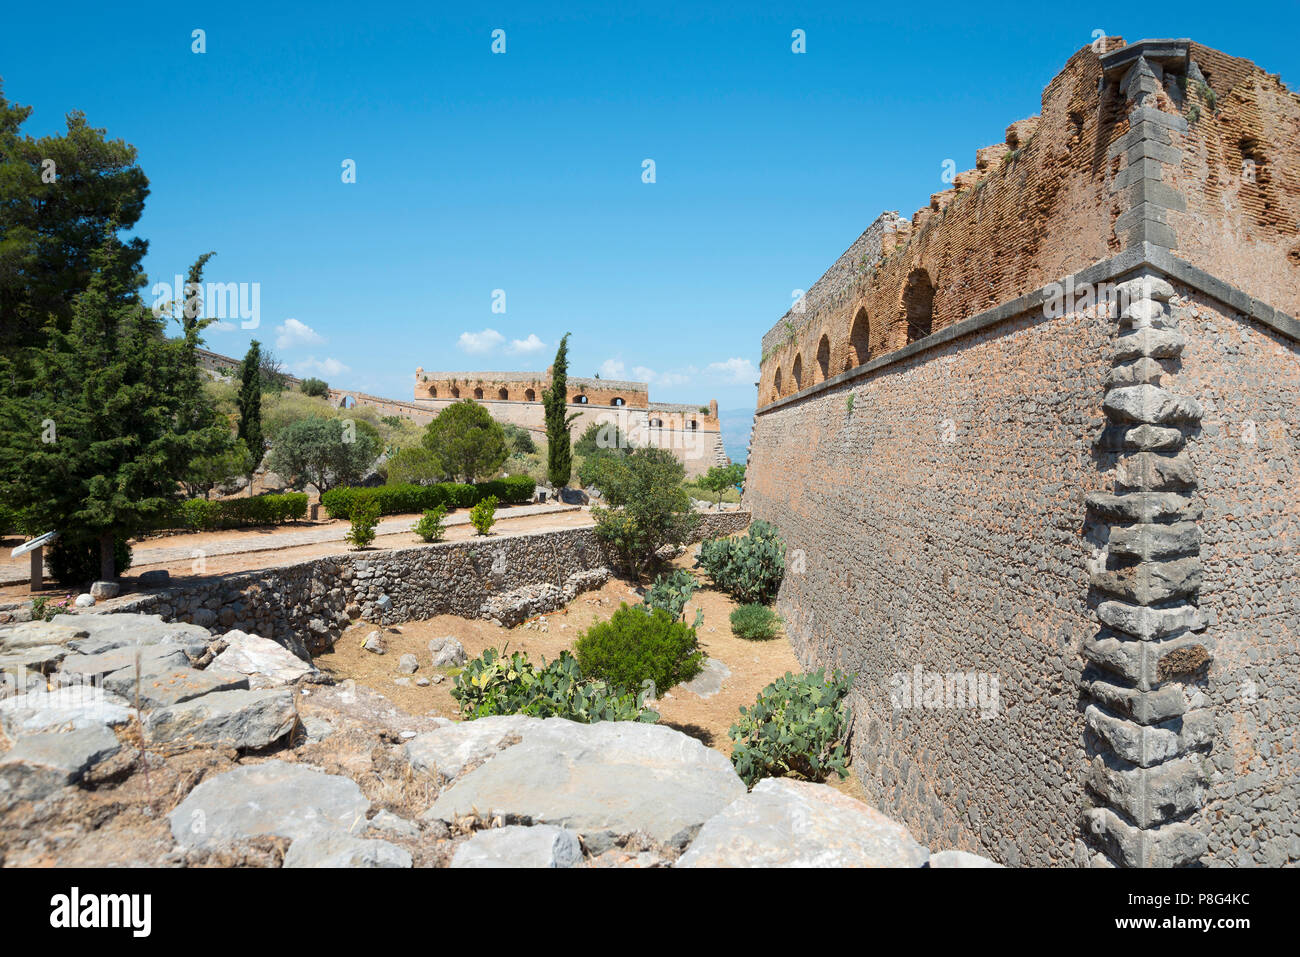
(250, 404)
(559, 444)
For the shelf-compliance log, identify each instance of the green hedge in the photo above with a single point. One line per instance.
(403, 499)
(202, 515)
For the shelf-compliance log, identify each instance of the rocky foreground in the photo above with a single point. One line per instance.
(132, 741)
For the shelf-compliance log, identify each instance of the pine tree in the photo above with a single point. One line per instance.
(559, 443)
(95, 434)
(250, 404)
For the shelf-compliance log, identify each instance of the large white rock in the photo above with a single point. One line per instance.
(601, 780)
(35, 634)
(171, 686)
(266, 664)
(107, 631)
(784, 823)
(238, 719)
(542, 845)
(63, 708)
(332, 848)
(447, 751)
(275, 797)
(40, 764)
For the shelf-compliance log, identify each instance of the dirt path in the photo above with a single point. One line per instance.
(226, 552)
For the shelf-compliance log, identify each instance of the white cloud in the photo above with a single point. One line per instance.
(527, 346)
(735, 371)
(326, 367)
(291, 333)
(671, 378)
(479, 343)
(613, 369)
(220, 325)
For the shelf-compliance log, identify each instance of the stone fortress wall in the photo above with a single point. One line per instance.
(1059, 453)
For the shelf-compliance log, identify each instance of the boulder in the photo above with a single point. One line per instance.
(600, 780)
(288, 800)
(408, 664)
(446, 752)
(85, 600)
(447, 652)
(108, 631)
(386, 822)
(785, 823)
(75, 706)
(709, 681)
(514, 846)
(265, 663)
(162, 689)
(153, 660)
(40, 658)
(375, 643)
(573, 496)
(238, 719)
(42, 763)
(962, 859)
(103, 590)
(154, 578)
(333, 848)
(37, 634)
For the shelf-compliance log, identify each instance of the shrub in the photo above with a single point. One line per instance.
(364, 519)
(671, 592)
(483, 515)
(648, 509)
(748, 568)
(325, 452)
(491, 685)
(640, 644)
(602, 437)
(431, 527)
(203, 515)
(75, 561)
(404, 499)
(518, 439)
(414, 466)
(44, 608)
(795, 728)
(754, 622)
(315, 387)
(466, 441)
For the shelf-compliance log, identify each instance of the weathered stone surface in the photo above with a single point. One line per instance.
(785, 823)
(709, 681)
(154, 578)
(960, 859)
(1145, 707)
(448, 751)
(37, 634)
(265, 663)
(1150, 583)
(40, 764)
(1147, 622)
(1153, 541)
(1151, 405)
(408, 664)
(512, 607)
(84, 600)
(333, 848)
(153, 660)
(108, 631)
(600, 780)
(1144, 507)
(65, 707)
(386, 822)
(239, 719)
(1148, 745)
(447, 652)
(42, 658)
(1170, 845)
(1150, 795)
(1148, 662)
(542, 845)
(1151, 471)
(375, 643)
(162, 689)
(289, 800)
(1151, 342)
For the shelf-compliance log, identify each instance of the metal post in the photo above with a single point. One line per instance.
(38, 569)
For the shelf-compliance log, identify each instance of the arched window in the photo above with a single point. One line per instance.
(478, 393)
(530, 395)
(617, 400)
(859, 341)
(824, 359)
(503, 394)
(455, 392)
(776, 385)
(580, 399)
(433, 392)
(656, 423)
(796, 373)
(918, 304)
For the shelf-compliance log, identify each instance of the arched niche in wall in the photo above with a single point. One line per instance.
(918, 304)
(824, 358)
(859, 340)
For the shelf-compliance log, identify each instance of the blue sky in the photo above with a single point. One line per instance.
(522, 171)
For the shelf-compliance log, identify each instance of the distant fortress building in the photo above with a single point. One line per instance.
(691, 432)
